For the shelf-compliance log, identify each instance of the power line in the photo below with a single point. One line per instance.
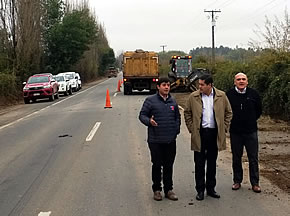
(255, 13)
(211, 4)
(226, 3)
(196, 19)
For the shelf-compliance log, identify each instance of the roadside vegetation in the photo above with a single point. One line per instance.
(50, 36)
(61, 35)
(266, 63)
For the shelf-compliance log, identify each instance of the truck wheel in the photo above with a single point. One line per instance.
(26, 101)
(127, 90)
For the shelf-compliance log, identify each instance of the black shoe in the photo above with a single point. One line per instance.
(200, 196)
(213, 194)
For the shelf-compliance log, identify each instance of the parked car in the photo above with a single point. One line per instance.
(78, 77)
(40, 86)
(72, 79)
(64, 84)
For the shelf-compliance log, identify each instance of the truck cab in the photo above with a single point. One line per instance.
(180, 70)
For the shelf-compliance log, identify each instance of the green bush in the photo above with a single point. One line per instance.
(268, 73)
(8, 85)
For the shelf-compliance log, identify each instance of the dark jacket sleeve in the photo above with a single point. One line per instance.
(178, 119)
(258, 105)
(145, 113)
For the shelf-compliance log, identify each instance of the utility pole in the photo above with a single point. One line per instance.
(213, 19)
(163, 47)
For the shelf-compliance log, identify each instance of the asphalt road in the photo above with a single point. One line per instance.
(72, 157)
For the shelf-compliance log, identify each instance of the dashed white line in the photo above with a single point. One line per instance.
(44, 213)
(115, 94)
(93, 131)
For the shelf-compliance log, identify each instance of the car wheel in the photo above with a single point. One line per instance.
(26, 101)
(33, 100)
(51, 97)
(66, 92)
(127, 89)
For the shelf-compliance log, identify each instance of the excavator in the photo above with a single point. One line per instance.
(182, 76)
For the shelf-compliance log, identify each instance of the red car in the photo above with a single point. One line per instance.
(40, 86)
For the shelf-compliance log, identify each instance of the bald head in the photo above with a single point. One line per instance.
(241, 81)
(241, 75)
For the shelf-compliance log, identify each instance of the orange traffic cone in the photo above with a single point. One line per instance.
(119, 86)
(108, 101)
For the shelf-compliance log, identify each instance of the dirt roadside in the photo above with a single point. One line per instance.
(274, 148)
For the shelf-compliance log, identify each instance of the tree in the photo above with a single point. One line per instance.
(108, 58)
(275, 36)
(53, 12)
(70, 39)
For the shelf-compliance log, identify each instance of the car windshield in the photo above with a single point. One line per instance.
(183, 67)
(38, 79)
(70, 76)
(59, 78)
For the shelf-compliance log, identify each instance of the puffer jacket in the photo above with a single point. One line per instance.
(167, 116)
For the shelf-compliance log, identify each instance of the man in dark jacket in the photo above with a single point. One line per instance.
(161, 115)
(247, 108)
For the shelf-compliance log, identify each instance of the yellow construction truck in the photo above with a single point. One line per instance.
(182, 76)
(140, 71)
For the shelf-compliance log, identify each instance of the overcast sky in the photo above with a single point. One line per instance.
(182, 25)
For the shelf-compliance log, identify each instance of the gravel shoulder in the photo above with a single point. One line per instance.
(274, 148)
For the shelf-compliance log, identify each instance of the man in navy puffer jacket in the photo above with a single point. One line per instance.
(161, 115)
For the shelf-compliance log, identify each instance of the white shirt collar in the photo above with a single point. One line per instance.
(164, 98)
(211, 93)
(241, 92)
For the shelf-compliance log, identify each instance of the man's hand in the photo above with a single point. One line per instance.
(153, 122)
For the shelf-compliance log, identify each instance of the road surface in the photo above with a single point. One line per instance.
(72, 157)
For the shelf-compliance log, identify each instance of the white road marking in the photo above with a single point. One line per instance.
(44, 213)
(93, 131)
(115, 94)
(31, 114)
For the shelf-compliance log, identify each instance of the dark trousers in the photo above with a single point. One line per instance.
(207, 156)
(162, 158)
(250, 141)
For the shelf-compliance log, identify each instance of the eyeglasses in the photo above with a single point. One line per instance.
(239, 79)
